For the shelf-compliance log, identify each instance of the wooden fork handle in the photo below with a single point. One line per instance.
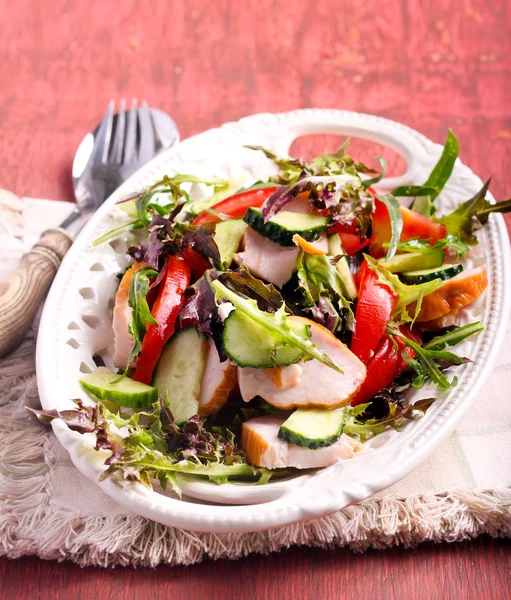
(23, 290)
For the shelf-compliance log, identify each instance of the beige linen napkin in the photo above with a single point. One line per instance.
(48, 508)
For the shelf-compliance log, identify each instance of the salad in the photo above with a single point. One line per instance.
(265, 330)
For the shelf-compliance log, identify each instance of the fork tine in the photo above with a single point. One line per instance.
(147, 141)
(102, 138)
(130, 141)
(118, 141)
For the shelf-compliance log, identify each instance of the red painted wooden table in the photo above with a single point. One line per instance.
(433, 65)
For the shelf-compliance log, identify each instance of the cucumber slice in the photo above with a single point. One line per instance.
(251, 345)
(313, 428)
(285, 225)
(179, 373)
(444, 273)
(228, 236)
(126, 392)
(414, 261)
(342, 266)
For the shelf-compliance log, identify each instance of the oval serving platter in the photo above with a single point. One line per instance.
(76, 326)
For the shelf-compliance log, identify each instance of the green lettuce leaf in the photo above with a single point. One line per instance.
(453, 336)
(323, 292)
(407, 294)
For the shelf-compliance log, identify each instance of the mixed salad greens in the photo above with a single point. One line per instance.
(278, 327)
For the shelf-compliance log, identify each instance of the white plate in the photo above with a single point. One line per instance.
(76, 324)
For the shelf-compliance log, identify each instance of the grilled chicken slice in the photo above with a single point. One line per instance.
(270, 261)
(123, 341)
(263, 447)
(219, 379)
(452, 295)
(316, 385)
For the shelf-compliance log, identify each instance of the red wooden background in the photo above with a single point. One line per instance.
(431, 65)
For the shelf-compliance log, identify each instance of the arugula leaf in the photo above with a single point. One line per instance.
(136, 224)
(452, 242)
(396, 222)
(374, 180)
(361, 422)
(454, 336)
(407, 294)
(428, 362)
(449, 242)
(443, 169)
(413, 191)
(258, 185)
(470, 215)
(275, 323)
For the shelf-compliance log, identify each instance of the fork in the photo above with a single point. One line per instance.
(116, 149)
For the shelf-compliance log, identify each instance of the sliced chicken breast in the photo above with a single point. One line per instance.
(219, 379)
(452, 295)
(316, 385)
(263, 447)
(123, 342)
(270, 261)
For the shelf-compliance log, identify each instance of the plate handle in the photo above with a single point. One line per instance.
(376, 129)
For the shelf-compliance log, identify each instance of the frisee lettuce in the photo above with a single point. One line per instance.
(153, 448)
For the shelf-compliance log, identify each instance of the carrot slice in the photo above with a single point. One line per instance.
(307, 246)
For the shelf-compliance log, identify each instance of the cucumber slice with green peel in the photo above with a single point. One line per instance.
(249, 344)
(179, 373)
(126, 392)
(445, 272)
(414, 261)
(313, 428)
(228, 236)
(343, 267)
(285, 225)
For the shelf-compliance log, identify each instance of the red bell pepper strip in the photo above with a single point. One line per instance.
(376, 303)
(351, 243)
(414, 226)
(386, 364)
(198, 264)
(165, 310)
(236, 206)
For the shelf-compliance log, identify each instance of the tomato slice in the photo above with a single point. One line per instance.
(236, 206)
(376, 303)
(414, 226)
(386, 364)
(165, 310)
